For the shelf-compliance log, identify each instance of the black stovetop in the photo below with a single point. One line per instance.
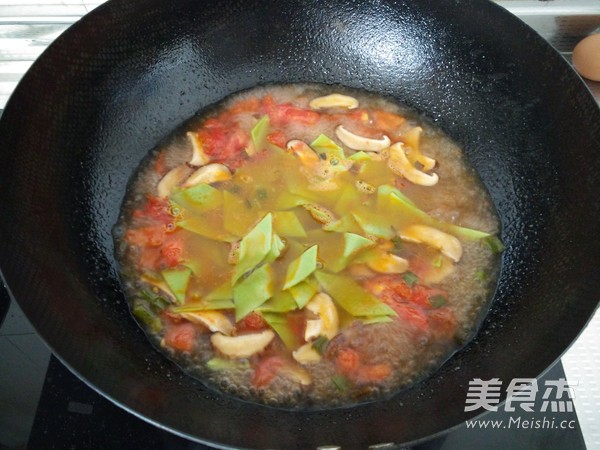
(71, 415)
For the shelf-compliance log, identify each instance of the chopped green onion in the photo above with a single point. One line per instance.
(481, 275)
(217, 364)
(155, 300)
(437, 301)
(261, 194)
(320, 344)
(142, 311)
(340, 382)
(494, 243)
(437, 262)
(410, 278)
(397, 241)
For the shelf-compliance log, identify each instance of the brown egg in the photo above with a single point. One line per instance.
(586, 57)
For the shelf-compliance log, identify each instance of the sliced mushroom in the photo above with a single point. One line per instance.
(334, 101)
(327, 323)
(306, 354)
(208, 174)
(356, 142)
(399, 164)
(303, 151)
(199, 158)
(215, 321)
(172, 178)
(437, 274)
(412, 140)
(388, 263)
(449, 245)
(295, 373)
(242, 346)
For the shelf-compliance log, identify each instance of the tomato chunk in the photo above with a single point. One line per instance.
(266, 369)
(443, 322)
(347, 361)
(155, 209)
(181, 336)
(277, 138)
(412, 315)
(172, 253)
(252, 322)
(151, 236)
(373, 373)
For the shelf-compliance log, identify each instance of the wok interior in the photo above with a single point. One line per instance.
(525, 121)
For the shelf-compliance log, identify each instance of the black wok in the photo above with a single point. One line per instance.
(129, 73)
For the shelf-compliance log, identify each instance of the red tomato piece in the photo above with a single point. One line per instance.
(412, 315)
(156, 209)
(149, 258)
(172, 252)
(297, 324)
(152, 236)
(266, 369)
(347, 361)
(252, 322)
(181, 336)
(388, 122)
(442, 321)
(422, 294)
(291, 113)
(284, 113)
(277, 138)
(373, 373)
(402, 289)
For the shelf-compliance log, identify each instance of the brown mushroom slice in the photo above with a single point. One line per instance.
(388, 263)
(215, 321)
(199, 157)
(296, 374)
(334, 101)
(327, 321)
(172, 178)
(303, 151)
(356, 142)
(412, 139)
(208, 174)
(437, 274)
(399, 164)
(449, 245)
(306, 354)
(242, 346)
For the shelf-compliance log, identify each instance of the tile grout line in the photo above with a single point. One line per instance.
(23, 353)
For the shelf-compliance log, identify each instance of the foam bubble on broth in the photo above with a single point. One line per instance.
(418, 323)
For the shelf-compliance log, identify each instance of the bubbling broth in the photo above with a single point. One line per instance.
(303, 246)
